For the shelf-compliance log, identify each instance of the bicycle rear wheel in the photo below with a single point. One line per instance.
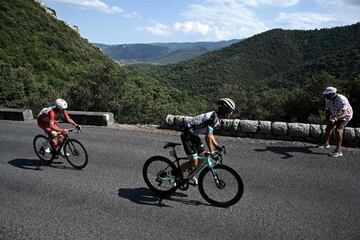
(75, 154)
(42, 146)
(157, 175)
(223, 192)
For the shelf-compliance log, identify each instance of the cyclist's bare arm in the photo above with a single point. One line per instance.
(54, 126)
(69, 120)
(211, 142)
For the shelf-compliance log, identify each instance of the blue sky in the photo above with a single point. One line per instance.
(148, 21)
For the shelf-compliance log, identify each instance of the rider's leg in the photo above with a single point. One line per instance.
(192, 145)
(45, 126)
(187, 166)
(53, 139)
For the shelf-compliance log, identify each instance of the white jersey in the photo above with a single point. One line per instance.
(44, 112)
(338, 105)
(203, 123)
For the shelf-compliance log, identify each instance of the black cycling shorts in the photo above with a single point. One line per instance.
(192, 144)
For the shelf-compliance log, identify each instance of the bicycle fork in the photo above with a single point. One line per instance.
(219, 184)
(205, 162)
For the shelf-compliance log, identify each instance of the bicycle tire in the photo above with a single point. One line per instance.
(220, 171)
(151, 175)
(74, 148)
(37, 144)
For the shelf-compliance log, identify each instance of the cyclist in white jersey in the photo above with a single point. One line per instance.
(203, 124)
(339, 113)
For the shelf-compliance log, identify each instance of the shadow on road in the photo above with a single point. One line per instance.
(147, 197)
(285, 151)
(36, 164)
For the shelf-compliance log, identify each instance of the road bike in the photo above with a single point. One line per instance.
(73, 151)
(218, 184)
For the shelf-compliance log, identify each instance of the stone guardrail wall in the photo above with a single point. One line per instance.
(16, 114)
(92, 118)
(80, 117)
(270, 130)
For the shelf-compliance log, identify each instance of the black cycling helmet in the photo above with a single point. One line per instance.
(226, 105)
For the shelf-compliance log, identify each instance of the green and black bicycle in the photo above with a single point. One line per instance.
(218, 184)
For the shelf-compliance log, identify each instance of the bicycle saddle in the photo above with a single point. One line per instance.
(171, 144)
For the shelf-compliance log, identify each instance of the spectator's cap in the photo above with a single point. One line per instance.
(329, 90)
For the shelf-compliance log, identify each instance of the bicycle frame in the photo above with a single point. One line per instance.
(66, 139)
(205, 162)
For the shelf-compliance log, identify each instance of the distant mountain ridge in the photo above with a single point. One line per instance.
(160, 53)
(284, 56)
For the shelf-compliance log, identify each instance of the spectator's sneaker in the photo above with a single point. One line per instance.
(323, 145)
(337, 153)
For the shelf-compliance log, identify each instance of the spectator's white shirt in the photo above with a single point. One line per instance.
(339, 104)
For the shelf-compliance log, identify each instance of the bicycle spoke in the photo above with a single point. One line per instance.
(224, 187)
(75, 154)
(42, 148)
(157, 173)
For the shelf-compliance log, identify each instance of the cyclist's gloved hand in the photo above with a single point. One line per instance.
(78, 127)
(215, 156)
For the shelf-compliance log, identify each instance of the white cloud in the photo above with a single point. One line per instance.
(132, 15)
(157, 29)
(280, 3)
(92, 4)
(189, 26)
(307, 20)
(225, 19)
(344, 11)
(340, 3)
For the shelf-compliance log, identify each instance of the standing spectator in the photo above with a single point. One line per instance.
(338, 115)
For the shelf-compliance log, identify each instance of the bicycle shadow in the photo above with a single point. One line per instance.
(36, 164)
(147, 197)
(286, 151)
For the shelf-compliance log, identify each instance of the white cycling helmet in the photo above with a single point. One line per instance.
(61, 104)
(227, 104)
(329, 90)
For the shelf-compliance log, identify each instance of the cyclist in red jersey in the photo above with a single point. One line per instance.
(46, 121)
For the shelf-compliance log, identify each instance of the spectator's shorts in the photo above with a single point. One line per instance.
(341, 123)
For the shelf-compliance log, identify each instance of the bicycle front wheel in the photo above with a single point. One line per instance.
(75, 154)
(42, 148)
(157, 175)
(221, 187)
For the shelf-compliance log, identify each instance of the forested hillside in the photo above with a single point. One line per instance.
(41, 59)
(276, 75)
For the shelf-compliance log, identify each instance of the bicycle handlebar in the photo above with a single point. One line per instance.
(75, 130)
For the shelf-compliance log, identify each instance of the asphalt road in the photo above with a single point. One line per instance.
(292, 191)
